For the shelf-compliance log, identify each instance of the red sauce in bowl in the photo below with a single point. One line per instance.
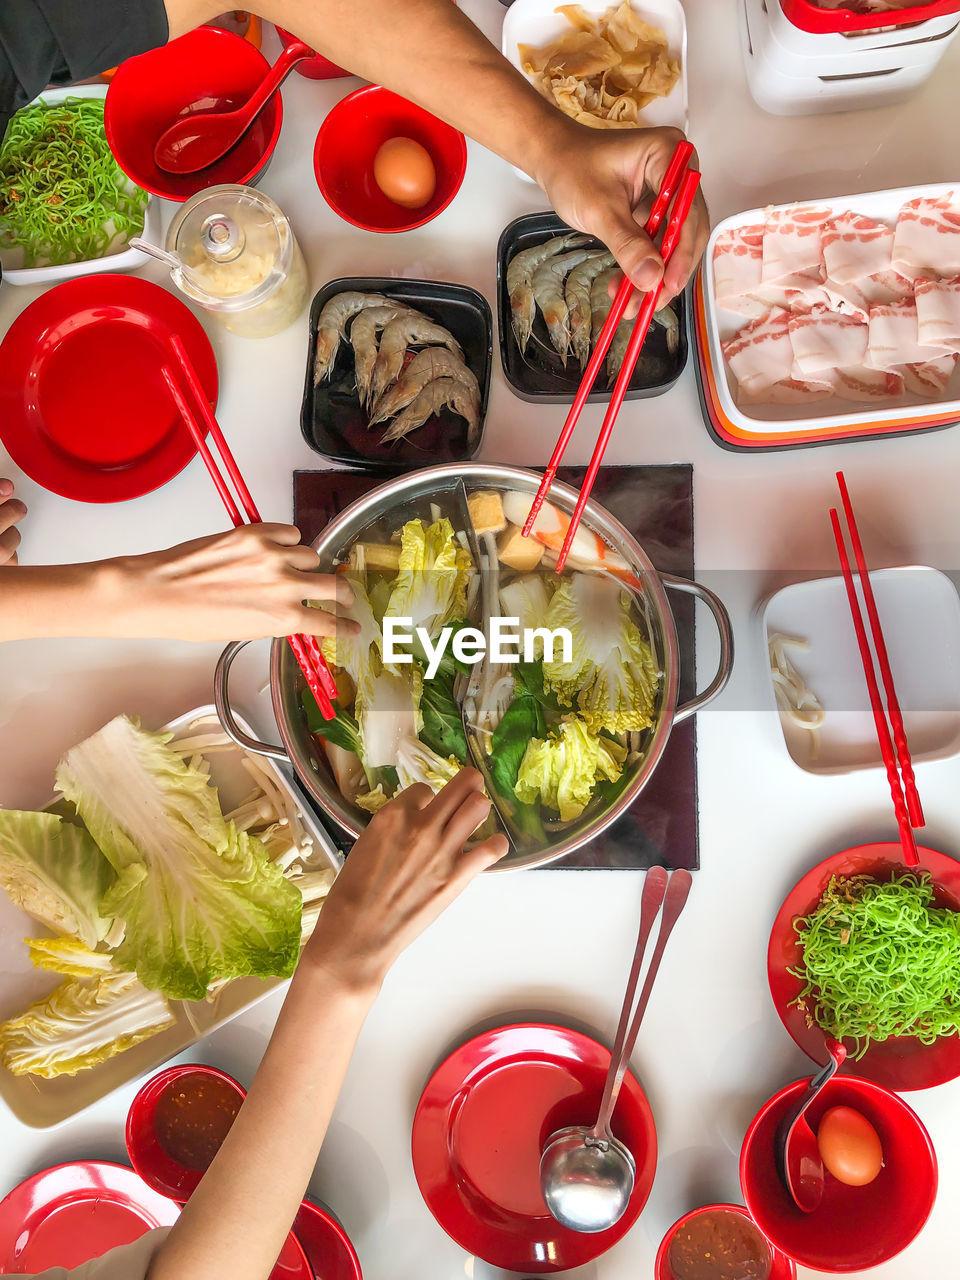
(719, 1245)
(193, 1116)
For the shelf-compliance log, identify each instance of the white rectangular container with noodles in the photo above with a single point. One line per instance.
(41, 1103)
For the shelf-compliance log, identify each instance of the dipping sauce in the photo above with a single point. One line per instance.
(405, 173)
(192, 1118)
(719, 1245)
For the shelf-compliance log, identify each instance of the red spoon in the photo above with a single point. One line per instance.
(797, 1154)
(200, 137)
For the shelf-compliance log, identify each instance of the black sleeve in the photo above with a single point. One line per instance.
(58, 41)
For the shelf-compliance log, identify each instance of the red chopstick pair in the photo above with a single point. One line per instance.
(895, 752)
(688, 180)
(305, 647)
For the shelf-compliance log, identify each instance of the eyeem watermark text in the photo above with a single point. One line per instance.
(507, 643)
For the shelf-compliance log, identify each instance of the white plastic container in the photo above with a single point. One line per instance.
(42, 1104)
(120, 260)
(792, 71)
(537, 23)
(831, 414)
(920, 614)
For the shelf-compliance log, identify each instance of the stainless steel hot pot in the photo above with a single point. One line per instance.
(286, 683)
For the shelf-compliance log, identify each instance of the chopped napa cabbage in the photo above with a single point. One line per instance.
(612, 676)
(81, 1024)
(416, 762)
(388, 710)
(69, 957)
(373, 801)
(561, 770)
(527, 599)
(360, 655)
(200, 900)
(431, 583)
(55, 872)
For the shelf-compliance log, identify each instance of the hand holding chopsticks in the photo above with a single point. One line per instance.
(684, 182)
(309, 657)
(908, 811)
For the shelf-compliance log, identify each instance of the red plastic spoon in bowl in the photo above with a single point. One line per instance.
(201, 137)
(797, 1153)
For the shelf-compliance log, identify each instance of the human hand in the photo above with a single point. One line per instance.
(604, 182)
(246, 584)
(405, 868)
(12, 510)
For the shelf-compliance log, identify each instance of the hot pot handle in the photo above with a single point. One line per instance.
(722, 619)
(221, 699)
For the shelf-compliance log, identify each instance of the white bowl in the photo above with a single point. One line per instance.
(789, 420)
(120, 259)
(920, 614)
(537, 22)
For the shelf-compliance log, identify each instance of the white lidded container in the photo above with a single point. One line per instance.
(242, 261)
(783, 423)
(803, 60)
(119, 257)
(920, 614)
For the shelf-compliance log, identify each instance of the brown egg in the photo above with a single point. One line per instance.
(849, 1146)
(404, 172)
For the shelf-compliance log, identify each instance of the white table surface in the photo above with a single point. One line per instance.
(553, 943)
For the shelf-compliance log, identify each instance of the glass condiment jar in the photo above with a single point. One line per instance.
(242, 260)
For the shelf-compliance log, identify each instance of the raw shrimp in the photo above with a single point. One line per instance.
(577, 297)
(548, 293)
(332, 326)
(414, 330)
(435, 396)
(520, 271)
(363, 339)
(425, 367)
(666, 318)
(600, 302)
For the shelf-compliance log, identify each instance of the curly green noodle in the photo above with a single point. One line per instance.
(879, 960)
(63, 197)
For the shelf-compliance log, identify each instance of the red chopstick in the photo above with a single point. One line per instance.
(907, 840)
(685, 195)
(914, 807)
(678, 163)
(305, 647)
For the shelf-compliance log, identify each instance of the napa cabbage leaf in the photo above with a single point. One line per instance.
(562, 769)
(431, 583)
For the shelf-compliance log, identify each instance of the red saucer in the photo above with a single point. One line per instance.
(902, 1062)
(71, 1213)
(481, 1124)
(84, 410)
(326, 1244)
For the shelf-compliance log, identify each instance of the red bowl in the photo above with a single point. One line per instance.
(155, 1167)
(326, 1244)
(855, 1227)
(316, 68)
(149, 92)
(901, 1062)
(351, 136)
(782, 1267)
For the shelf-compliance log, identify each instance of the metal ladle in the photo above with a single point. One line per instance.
(587, 1174)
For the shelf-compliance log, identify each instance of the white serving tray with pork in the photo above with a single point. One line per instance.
(839, 311)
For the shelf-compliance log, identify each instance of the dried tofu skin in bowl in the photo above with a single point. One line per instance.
(606, 69)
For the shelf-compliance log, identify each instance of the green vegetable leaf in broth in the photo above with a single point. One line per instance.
(442, 723)
(342, 729)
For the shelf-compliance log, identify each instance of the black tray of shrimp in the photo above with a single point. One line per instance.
(553, 297)
(398, 372)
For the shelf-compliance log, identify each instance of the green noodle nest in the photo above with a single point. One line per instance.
(879, 960)
(63, 197)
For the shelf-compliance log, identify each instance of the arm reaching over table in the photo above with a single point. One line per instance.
(429, 52)
(405, 868)
(248, 583)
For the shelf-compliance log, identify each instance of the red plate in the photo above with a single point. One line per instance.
(84, 410)
(900, 1063)
(326, 1244)
(71, 1213)
(481, 1124)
